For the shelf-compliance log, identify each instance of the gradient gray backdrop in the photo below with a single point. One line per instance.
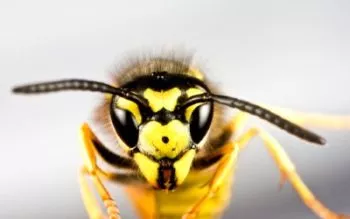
(289, 53)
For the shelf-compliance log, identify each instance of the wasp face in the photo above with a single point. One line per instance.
(166, 134)
(164, 117)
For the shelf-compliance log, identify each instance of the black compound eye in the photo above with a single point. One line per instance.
(200, 121)
(125, 125)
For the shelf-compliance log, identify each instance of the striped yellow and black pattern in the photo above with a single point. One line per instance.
(166, 82)
(170, 146)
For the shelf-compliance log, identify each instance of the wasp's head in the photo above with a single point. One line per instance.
(163, 129)
(163, 119)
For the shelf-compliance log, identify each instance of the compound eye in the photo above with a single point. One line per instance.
(125, 125)
(200, 121)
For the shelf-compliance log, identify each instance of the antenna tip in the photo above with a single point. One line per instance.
(17, 90)
(322, 141)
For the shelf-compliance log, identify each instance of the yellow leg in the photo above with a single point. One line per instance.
(91, 169)
(237, 122)
(223, 169)
(288, 171)
(225, 165)
(286, 167)
(90, 202)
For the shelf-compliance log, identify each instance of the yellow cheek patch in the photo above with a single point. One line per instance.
(151, 139)
(191, 92)
(183, 165)
(130, 106)
(148, 168)
(162, 99)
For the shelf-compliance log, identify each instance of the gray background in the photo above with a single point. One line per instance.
(288, 53)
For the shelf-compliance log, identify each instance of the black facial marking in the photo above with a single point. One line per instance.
(112, 158)
(166, 174)
(163, 116)
(165, 139)
(205, 162)
(163, 81)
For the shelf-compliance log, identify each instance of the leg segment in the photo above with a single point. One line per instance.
(288, 171)
(91, 169)
(224, 167)
(237, 122)
(286, 167)
(90, 202)
(229, 129)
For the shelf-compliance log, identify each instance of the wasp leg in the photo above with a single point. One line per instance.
(288, 170)
(224, 168)
(229, 130)
(90, 168)
(226, 153)
(91, 204)
(237, 122)
(317, 120)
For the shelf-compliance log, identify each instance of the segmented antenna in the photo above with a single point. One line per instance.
(257, 111)
(78, 84)
(67, 84)
(270, 117)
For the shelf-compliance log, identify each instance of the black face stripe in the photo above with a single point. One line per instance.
(112, 158)
(205, 162)
(165, 116)
(163, 81)
(166, 174)
(128, 178)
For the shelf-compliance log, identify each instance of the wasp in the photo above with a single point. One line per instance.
(176, 151)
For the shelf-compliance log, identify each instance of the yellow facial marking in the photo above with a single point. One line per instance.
(191, 92)
(183, 165)
(152, 133)
(162, 99)
(148, 168)
(130, 106)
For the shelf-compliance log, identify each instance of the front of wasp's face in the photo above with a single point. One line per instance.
(163, 119)
(165, 134)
